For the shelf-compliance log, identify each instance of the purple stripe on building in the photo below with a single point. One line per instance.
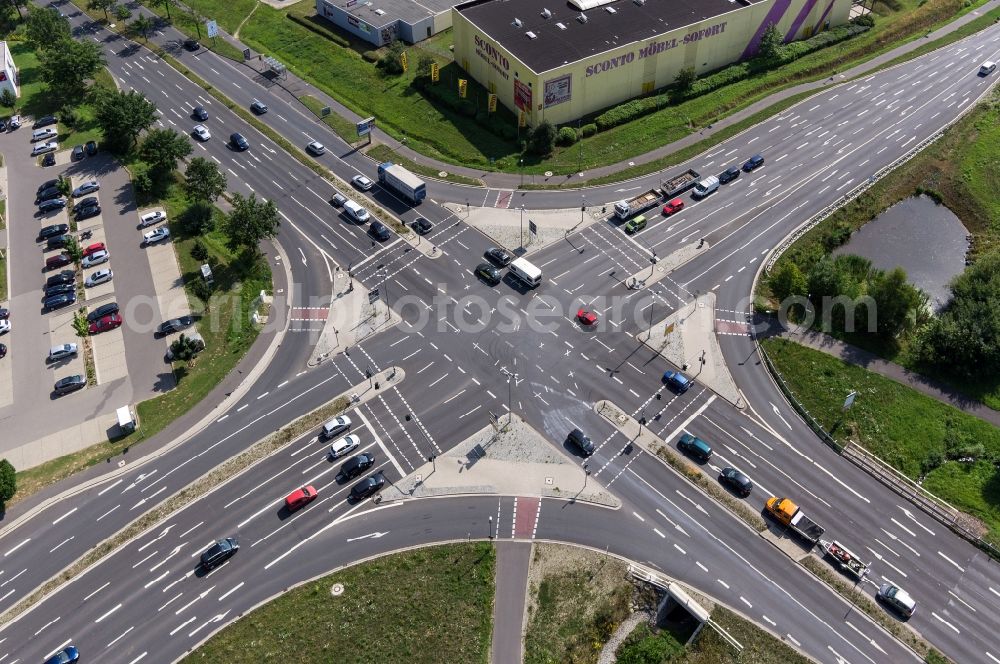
(774, 15)
(822, 19)
(800, 19)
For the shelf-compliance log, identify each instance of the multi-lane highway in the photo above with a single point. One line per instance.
(459, 334)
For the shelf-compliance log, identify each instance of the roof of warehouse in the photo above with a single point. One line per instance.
(555, 46)
(407, 11)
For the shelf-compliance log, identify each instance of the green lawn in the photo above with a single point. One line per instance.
(918, 435)
(426, 606)
(341, 125)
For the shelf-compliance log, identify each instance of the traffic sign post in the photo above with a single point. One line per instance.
(373, 296)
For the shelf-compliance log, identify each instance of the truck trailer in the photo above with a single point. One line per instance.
(402, 181)
(640, 203)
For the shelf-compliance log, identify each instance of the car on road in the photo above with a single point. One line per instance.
(220, 552)
(586, 317)
(60, 301)
(43, 148)
(337, 425)
(47, 194)
(366, 487)
(158, 235)
(43, 134)
(151, 218)
(49, 159)
(89, 201)
(357, 465)
(379, 231)
(987, 68)
(69, 384)
(59, 289)
(729, 174)
(87, 212)
(498, 256)
(695, 447)
(316, 148)
(677, 381)
(99, 277)
(753, 163)
(362, 182)
(52, 231)
(737, 481)
(61, 352)
(88, 187)
(338, 199)
(239, 142)
(582, 441)
(488, 273)
(4, 326)
(671, 207)
(348, 443)
(77, 153)
(191, 44)
(94, 248)
(102, 311)
(201, 132)
(258, 107)
(64, 277)
(57, 261)
(174, 325)
(95, 258)
(199, 113)
(91, 148)
(67, 655)
(635, 224)
(422, 226)
(300, 498)
(45, 121)
(896, 599)
(52, 204)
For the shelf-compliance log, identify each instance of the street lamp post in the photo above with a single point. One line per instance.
(520, 163)
(583, 206)
(520, 237)
(491, 527)
(385, 289)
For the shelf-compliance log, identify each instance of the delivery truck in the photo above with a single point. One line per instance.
(403, 182)
(788, 513)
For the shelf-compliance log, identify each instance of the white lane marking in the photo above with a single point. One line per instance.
(960, 568)
(64, 516)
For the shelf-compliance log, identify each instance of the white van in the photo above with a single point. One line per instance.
(126, 420)
(356, 212)
(987, 68)
(706, 187)
(43, 134)
(526, 272)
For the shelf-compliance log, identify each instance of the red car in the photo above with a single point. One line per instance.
(586, 317)
(675, 205)
(300, 498)
(97, 246)
(54, 262)
(106, 323)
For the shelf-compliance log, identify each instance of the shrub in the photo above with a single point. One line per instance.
(7, 98)
(588, 130)
(542, 139)
(567, 136)
(390, 62)
(867, 20)
(370, 56)
(199, 251)
(8, 481)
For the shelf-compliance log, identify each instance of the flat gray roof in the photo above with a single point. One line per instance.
(407, 11)
(554, 46)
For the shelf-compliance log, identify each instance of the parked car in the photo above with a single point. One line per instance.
(674, 206)
(99, 277)
(677, 381)
(87, 212)
(91, 148)
(88, 187)
(60, 301)
(337, 425)
(47, 194)
(3, 351)
(3, 125)
(199, 113)
(77, 153)
(52, 204)
(897, 599)
(102, 311)
(4, 326)
(258, 107)
(586, 317)
(362, 182)
(201, 132)
(69, 384)
(238, 142)
(57, 242)
(43, 134)
(48, 184)
(580, 439)
(753, 163)
(158, 235)
(338, 200)
(49, 159)
(151, 218)
(43, 148)
(729, 174)
(316, 148)
(61, 352)
(94, 248)
(175, 325)
(695, 447)
(105, 324)
(4, 313)
(55, 262)
(357, 465)
(736, 481)
(379, 231)
(64, 277)
(53, 231)
(67, 655)
(95, 258)
(367, 487)
(422, 226)
(14, 122)
(498, 256)
(300, 498)
(219, 553)
(60, 289)
(488, 273)
(45, 121)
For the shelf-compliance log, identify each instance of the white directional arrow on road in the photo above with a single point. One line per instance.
(779, 416)
(218, 618)
(374, 535)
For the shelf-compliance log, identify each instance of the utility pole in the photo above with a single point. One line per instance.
(384, 286)
(583, 206)
(520, 237)
(510, 375)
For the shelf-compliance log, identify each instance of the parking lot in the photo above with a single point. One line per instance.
(122, 360)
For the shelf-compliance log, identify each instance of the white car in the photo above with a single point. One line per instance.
(96, 258)
(43, 134)
(362, 183)
(151, 218)
(337, 425)
(201, 132)
(61, 351)
(153, 237)
(4, 326)
(88, 187)
(102, 276)
(42, 148)
(341, 447)
(14, 122)
(316, 148)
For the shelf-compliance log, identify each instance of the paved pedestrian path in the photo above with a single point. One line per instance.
(872, 362)
(513, 559)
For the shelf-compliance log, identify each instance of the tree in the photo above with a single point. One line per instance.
(8, 481)
(103, 5)
(45, 28)
(772, 44)
(685, 79)
(122, 116)
(17, 4)
(250, 222)
(7, 98)
(542, 138)
(204, 180)
(391, 62)
(122, 13)
(895, 300)
(143, 25)
(788, 280)
(185, 348)
(73, 250)
(166, 5)
(162, 148)
(67, 69)
(424, 62)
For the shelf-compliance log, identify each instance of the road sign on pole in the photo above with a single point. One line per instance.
(532, 227)
(373, 296)
(246, 54)
(325, 111)
(493, 421)
(849, 401)
(365, 126)
(213, 28)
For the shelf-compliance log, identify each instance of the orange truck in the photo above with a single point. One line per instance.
(788, 513)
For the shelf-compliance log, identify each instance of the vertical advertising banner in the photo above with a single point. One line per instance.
(558, 90)
(463, 87)
(435, 72)
(522, 95)
(493, 104)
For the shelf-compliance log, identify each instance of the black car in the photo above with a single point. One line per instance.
(59, 289)
(45, 121)
(498, 256)
(69, 384)
(422, 225)
(78, 153)
(49, 159)
(3, 351)
(488, 273)
(60, 301)
(175, 325)
(753, 163)
(239, 142)
(48, 184)
(89, 201)
(736, 481)
(367, 487)
(729, 175)
(581, 440)
(52, 231)
(91, 148)
(199, 113)
(102, 311)
(47, 194)
(64, 277)
(4, 313)
(57, 242)
(219, 553)
(191, 44)
(3, 126)
(379, 231)
(357, 465)
(52, 204)
(88, 212)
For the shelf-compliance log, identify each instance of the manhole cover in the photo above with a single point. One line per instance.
(442, 174)
(337, 590)
(548, 174)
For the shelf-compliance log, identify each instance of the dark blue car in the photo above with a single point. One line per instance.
(753, 163)
(66, 656)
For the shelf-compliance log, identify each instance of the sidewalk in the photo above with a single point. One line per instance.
(513, 560)
(872, 362)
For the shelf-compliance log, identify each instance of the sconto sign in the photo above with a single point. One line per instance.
(491, 54)
(654, 48)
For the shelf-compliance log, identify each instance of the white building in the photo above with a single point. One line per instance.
(8, 72)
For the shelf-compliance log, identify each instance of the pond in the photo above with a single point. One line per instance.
(924, 238)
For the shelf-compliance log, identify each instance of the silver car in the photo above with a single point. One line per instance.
(61, 351)
(96, 258)
(99, 277)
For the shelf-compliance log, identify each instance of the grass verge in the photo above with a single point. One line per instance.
(382, 153)
(919, 436)
(440, 610)
(340, 125)
(185, 496)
